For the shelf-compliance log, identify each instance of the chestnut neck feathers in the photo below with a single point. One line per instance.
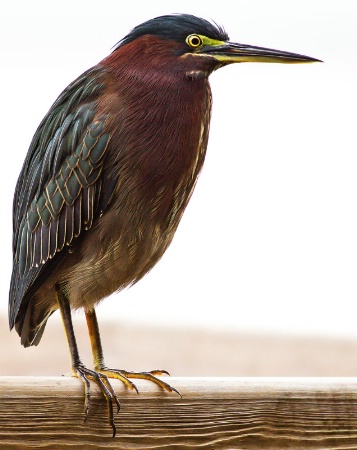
(155, 89)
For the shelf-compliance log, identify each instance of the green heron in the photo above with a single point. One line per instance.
(108, 175)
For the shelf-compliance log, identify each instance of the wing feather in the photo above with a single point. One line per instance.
(56, 195)
(53, 236)
(78, 217)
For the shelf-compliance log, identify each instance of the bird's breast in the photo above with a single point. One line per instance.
(156, 153)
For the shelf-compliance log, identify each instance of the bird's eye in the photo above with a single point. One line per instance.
(194, 41)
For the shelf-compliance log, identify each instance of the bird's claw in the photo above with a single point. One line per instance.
(101, 377)
(118, 375)
(125, 376)
(85, 374)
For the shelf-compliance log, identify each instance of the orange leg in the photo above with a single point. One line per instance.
(123, 375)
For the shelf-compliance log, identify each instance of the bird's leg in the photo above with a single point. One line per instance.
(97, 351)
(79, 369)
(123, 375)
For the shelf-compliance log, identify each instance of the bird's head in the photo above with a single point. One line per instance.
(201, 44)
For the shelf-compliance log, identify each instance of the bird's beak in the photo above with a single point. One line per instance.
(230, 52)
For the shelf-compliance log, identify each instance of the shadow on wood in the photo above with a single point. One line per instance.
(214, 413)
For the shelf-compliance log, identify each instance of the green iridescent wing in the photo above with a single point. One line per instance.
(59, 190)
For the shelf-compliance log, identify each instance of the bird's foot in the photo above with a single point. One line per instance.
(101, 379)
(125, 376)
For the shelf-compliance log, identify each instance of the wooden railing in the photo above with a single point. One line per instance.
(213, 413)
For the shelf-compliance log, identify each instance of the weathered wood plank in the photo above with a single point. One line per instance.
(214, 413)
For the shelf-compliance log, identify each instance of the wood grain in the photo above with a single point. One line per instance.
(214, 413)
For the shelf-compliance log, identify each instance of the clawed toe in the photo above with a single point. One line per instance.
(85, 374)
(125, 376)
(118, 375)
(101, 377)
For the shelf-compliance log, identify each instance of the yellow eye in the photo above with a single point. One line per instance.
(194, 41)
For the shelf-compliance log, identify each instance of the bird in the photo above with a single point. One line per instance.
(107, 177)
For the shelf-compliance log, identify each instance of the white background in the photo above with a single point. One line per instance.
(269, 240)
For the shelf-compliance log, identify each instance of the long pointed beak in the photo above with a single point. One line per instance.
(235, 53)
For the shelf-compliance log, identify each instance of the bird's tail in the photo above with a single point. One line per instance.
(30, 324)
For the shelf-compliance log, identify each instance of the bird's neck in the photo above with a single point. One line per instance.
(165, 119)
